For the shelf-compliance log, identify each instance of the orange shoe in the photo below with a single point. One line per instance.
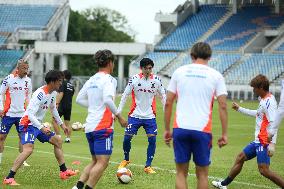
(123, 164)
(149, 170)
(68, 173)
(10, 181)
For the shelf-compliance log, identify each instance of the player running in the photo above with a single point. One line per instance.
(143, 87)
(31, 127)
(259, 148)
(15, 93)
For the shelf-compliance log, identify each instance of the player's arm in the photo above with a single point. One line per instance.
(167, 116)
(82, 97)
(162, 93)
(242, 110)
(279, 115)
(56, 116)
(29, 94)
(126, 93)
(108, 96)
(3, 89)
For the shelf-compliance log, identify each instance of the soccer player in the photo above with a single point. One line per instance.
(144, 87)
(31, 127)
(64, 103)
(194, 86)
(97, 95)
(15, 93)
(259, 148)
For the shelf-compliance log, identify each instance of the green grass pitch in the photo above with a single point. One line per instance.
(44, 171)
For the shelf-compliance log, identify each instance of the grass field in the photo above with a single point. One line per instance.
(43, 173)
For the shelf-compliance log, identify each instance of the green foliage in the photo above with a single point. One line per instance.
(96, 25)
(44, 171)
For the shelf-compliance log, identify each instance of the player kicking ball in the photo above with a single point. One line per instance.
(31, 127)
(259, 148)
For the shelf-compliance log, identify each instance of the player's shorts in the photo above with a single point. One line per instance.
(100, 142)
(149, 125)
(257, 150)
(7, 122)
(197, 143)
(29, 134)
(66, 113)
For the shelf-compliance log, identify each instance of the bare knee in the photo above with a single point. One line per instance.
(241, 158)
(28, 149)
(56, 141)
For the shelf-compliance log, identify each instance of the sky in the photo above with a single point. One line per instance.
(139, 13)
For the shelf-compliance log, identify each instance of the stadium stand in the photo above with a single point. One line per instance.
(191, 30)
(8, 61)
(13, 17)
(281, 47)
(241, 27)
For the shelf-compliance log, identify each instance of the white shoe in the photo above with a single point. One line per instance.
(74, 187)
(25, 164)
(218, 184)
(67, 140)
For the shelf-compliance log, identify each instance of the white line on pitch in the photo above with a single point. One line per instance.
(158, 168)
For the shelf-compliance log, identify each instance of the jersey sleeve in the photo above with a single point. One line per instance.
(82, 97)
(127, 91)
(3, 89)
(172, 87)
(54, 111)
(221, 86)
(248, 112)
(161, 91)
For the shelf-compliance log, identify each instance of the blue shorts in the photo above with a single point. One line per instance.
(100, 142)
(7, 122)
(29, 134)
(257, 150)
(197, 143)
(149, 125)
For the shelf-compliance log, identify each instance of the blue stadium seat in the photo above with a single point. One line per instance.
(35, 17)
(8, 61)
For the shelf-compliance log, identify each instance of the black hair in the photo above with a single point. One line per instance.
(145, 62)
(53, 75)
(103, 57)
(67, 74)
(201, 50)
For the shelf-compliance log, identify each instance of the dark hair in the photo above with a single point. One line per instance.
(261, 82)
(53, 75)
(201, 50)
(103, 57)
(67, 74)
(145, 62)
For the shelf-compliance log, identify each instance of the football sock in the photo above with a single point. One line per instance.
(127, 146)
(1, 157)
(88, 187)
(62, 167)
(227, 181)
(80, 185)
(11, 174)
(151, 150)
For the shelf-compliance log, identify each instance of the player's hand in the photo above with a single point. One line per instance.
(222, 141)
(235, 106)
(271, 149)
(1, 113)
(167, 137)
(65, 129)
(121, 120)
(269, 137)
(46, 130)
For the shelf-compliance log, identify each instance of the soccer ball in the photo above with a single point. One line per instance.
(76, 126)
(124, 175)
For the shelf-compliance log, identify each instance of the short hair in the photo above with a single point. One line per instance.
(21, 61)
(261, 82)
(67, 74)
(53, 75)
(201, 50)
(145, 62)
(103, 57)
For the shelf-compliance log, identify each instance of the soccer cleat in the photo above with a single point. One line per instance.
(218, 184)
(75, 187)
(25, 164)
(149, 170)
(67, 140)
(10, 181)
(67, 174)
(123, 164)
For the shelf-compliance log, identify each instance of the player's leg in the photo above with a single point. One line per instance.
(4, 131)
(150, 127)
(248, 153)
(202, 176)
(130, 130)
(67, 118)
(55, 127)
(181, 175)
(97, 170)
(16, 122)
(263, 161)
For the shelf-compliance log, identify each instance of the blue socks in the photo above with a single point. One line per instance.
(127, 146)
(151, 150)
